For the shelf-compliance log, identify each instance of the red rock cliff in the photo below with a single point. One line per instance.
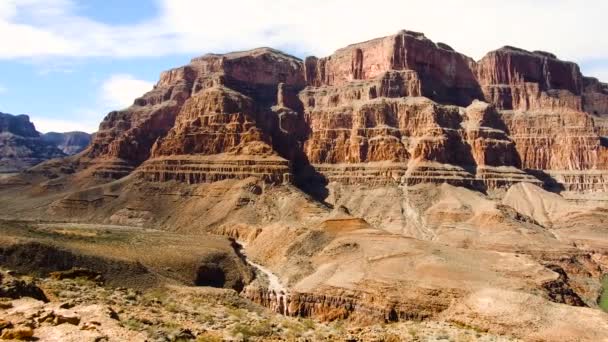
(398, 109)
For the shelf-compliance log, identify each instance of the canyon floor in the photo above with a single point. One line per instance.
(84, 310)
(114, 300)
(247, 261)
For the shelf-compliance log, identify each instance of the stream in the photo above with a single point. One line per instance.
(274, 285)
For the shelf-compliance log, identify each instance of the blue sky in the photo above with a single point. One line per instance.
(67, 63)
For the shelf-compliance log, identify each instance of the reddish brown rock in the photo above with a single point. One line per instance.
(126, 137)
(244, 113)
(551, 141)
(513, 78)
(446, 76)
(394, 110)
(215, 120)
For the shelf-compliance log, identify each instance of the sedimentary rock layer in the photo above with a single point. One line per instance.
(394, 110)
(206, 169)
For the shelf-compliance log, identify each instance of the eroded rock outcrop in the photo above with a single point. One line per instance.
(444, 75)
(517, 79)
(394, 110)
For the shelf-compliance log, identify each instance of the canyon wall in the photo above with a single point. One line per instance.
(394, 110)
(21, 146)
(70, 142)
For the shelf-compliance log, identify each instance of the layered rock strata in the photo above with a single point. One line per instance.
(207, 169)
(394, 110)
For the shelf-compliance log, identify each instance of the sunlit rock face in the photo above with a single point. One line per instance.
(394, 110)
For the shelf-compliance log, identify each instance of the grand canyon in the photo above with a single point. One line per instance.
(394, 190)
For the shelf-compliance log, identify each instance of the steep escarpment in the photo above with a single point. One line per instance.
(444, 74)
(567, 145)
(21, 146)
(517, 79)
(233, 103)
(394, 110)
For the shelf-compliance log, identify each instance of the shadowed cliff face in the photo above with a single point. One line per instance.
(18, 125)
(398, 109)
(70, 142)
(21, 146)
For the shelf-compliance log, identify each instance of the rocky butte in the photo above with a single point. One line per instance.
(398, 109)
(396, 179)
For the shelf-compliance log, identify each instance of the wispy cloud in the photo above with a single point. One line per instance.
(569, 28)
(115, 92)
(120, 90)
(46, 125)
(3, 89)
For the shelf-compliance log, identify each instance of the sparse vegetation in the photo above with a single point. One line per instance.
(603, 301)
(248, 331)
(181, 313)
(133, 324)
(155, 296)
(166, 311)
(413, 332)
(209, 336)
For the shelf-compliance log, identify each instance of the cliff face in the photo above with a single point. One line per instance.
(70, 142)
(517, 79)
(443, 75)
(394, 110)
(21, 146)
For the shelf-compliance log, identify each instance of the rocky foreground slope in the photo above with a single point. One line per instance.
(396, 179)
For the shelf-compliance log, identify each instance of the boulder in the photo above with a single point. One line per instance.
(17, 333)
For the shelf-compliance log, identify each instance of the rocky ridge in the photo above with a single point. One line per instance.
(21, 146)
(69, 142)
(394, 110)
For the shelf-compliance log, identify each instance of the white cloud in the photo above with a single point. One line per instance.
(570, 28)
(117, 91)
(320, 26)
(3, 89)
(52, 31)
(120, 90)
(46, 125)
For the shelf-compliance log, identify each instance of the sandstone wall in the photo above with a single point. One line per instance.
(394, 110)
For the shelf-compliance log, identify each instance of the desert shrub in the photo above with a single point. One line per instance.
(209, 336)
(247, 331)
(156, 295)
(133, 324)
